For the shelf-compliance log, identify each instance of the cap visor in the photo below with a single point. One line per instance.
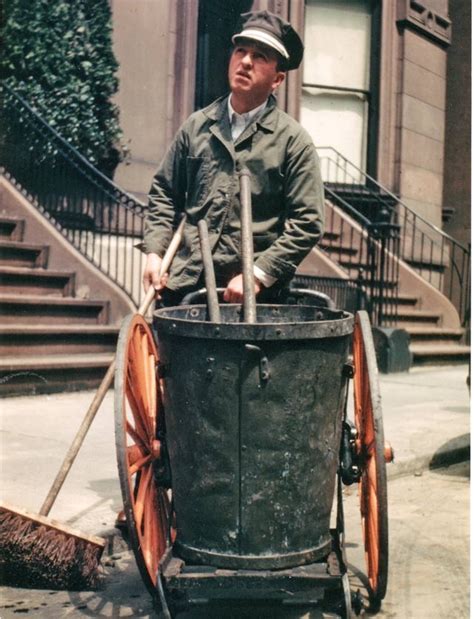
(262, 37)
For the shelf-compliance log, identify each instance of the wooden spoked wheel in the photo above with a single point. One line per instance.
(139, 424)
(370, 454)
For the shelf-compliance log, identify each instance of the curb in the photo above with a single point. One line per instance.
(453, 452)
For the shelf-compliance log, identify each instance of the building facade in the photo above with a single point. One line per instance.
(385, 83)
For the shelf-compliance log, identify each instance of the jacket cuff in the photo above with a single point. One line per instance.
(275, 267)
(264, 278)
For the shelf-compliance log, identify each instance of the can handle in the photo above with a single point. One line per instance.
(264, 364)
(249, 305)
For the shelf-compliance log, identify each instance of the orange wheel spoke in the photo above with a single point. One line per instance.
(139, 380)
(134, 454)
(142, 495)
(136, 388)
(136, 437)
(153, 397)
(144, 371)
(134, 404)
(149, 540)
(139, 464)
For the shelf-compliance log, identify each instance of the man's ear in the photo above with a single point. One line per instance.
(279, 77)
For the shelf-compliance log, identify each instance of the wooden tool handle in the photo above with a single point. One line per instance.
(209, 274)
(104, 386)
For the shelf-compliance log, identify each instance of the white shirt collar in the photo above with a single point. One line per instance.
(247, 116)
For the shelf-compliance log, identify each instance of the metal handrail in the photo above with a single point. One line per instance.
(94, 214)
(368, 252)
(431, 252)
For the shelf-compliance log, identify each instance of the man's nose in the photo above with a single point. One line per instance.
(247, 59)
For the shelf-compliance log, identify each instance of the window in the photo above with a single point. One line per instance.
(336, 79)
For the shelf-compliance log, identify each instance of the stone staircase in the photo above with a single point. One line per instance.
(50, 340)
(430, 342)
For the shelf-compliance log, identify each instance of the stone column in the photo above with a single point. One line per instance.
(425, 32)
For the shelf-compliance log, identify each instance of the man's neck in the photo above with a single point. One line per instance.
(242, 105)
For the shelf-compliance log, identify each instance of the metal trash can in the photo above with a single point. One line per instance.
(392, 349)
(253, 420)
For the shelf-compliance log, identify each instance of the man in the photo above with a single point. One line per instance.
(199, 176)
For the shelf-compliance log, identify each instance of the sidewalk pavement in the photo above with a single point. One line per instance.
(426, 420)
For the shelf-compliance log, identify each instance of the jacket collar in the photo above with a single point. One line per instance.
(217, 111)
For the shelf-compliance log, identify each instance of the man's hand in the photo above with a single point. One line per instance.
(151, 274)
(234, 293)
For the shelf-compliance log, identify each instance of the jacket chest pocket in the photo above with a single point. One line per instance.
(197, 177)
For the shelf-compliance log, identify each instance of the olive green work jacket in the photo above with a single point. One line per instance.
(199, 176)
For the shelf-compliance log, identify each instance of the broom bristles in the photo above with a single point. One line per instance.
(36, 554)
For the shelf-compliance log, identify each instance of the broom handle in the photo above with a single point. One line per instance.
(104, 386)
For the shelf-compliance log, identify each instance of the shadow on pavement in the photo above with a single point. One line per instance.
(454, 451)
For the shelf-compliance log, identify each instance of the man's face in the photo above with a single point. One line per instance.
(253, 70)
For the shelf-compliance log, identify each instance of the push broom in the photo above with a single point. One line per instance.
(36, 551)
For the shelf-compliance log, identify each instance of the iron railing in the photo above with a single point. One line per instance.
(368, 251)
(347, 294)
(97, 217)
(433, 254)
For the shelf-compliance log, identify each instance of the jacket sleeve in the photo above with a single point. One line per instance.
(166, 198)
(304, 203)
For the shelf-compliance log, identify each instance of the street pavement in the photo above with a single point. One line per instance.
(426, 419)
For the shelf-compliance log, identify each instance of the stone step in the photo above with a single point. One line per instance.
(11, 228)
(19, 254)
(73, 339)
(430, 335)
(32, 375)
(36, 309)
(439, 354)
(408, 317)
(331, 235)
(426, 264)
(27, 280)
(336, 249)
(401, 299)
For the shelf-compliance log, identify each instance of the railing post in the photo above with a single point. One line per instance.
(363, 302)
(383, 245)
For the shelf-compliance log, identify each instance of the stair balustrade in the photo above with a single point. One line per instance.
(434, 255)
(368, 251)
(98, 218)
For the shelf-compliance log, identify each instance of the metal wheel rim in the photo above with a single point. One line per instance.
(370, 451)
(138, 415)
(346, 588)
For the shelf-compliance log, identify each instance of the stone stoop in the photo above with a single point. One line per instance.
(430, 343)
(50, 340)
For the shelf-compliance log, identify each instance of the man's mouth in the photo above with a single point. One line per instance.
(243, 74)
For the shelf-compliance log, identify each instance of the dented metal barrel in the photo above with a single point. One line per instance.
(253, 423)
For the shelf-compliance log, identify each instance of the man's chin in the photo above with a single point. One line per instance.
(240, 86)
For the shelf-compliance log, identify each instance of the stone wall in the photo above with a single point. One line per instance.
(154, 42)
(457, 154)
(421, 106)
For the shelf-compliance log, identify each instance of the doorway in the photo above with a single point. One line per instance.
(217, 23)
